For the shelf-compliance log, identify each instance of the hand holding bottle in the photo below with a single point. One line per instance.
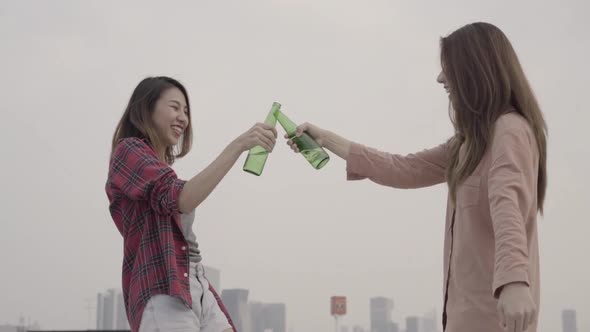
(257, 155)
(260, 134)
(325, 139)
(316, 132)
(305, 142)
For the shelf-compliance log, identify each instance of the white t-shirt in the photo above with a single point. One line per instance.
(187, 220)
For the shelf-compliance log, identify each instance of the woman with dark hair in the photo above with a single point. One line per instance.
(495, 168)
(164, 284)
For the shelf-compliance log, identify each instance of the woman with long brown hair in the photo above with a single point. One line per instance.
(495, 168)
(164, 284)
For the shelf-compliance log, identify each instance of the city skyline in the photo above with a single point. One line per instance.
(412, 323)
(258, 316)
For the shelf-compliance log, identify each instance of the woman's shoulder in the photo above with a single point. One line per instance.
(512, 123)
(132, 144)
(512, 131)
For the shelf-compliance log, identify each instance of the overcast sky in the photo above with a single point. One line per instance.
(364, 69)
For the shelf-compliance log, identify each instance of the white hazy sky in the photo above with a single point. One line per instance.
(365, 69)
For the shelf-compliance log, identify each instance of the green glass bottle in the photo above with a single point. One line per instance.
(308, 147)
(257, 155)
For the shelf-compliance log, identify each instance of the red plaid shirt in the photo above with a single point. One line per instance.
(143, 194)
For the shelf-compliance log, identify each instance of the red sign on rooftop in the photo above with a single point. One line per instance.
(338, 305)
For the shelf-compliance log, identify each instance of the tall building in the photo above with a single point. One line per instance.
(110, 311)
(214, 277)
(270, 317)
(393, 327)
(413, 324)
(568, 321)
(121, 318)
(357, 328)
(99, 311)
(381, 308)
(236, 302)
(277, 317)
(256, 316)
(429, 322)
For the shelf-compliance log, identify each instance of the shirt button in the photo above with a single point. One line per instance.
(183, 247)
(186, 274)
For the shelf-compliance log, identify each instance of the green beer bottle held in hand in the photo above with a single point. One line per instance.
(308, 147)
(257, 155)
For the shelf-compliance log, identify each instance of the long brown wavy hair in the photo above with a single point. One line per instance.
(485, 80)
(137, 119)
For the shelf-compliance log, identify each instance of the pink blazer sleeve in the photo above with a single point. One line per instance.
(512, 190)
(421, 169)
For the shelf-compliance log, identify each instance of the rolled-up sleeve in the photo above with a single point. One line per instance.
(139, 175)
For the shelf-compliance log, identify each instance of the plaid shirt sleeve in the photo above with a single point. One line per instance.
(140, 175)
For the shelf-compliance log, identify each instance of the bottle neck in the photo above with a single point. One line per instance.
(271, 119)
(289, 126)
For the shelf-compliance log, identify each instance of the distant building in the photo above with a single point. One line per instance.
(413, 324)
(569, 321)
(236, 302)
(21, 327)
(429, 322)
(110, 311)
(357, 328)
(270, 317)
(380, 311)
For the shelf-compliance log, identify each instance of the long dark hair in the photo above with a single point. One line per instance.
(137, 118)
(485, 80)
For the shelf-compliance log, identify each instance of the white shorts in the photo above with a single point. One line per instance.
(167, 313)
